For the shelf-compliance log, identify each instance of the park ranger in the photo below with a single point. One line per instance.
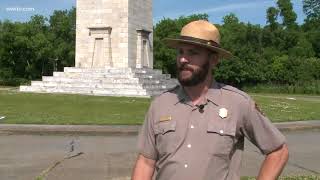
(196, 131)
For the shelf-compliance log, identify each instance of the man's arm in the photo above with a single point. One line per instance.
(274, 163)
(143, 169)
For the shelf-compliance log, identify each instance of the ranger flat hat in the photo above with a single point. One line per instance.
(200, 33)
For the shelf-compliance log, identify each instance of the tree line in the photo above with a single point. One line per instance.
(280, 54)
(29, 50)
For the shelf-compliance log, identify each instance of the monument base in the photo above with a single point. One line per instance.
(130, 82)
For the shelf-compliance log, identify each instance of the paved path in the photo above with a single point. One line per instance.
(292, 97)
(118, 129)
(23, 157)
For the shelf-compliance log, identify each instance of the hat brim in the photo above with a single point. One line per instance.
(175, 43)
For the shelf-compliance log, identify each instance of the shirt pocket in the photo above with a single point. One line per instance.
(221, 144)
(166, 138)
(221, 137)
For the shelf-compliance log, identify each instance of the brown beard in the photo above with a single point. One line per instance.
(197, 77)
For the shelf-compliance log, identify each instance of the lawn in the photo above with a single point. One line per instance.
(30, 108)
(302, 177)
(282, 107)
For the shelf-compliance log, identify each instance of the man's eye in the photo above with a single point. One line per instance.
(193, 53)
(187, 53)
(179, 52)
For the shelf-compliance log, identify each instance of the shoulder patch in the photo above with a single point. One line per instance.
(175, 88)
(258, 109)
(171, 89)
(235, 90)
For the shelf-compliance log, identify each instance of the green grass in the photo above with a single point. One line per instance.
(304, 87)
(282, 107)
(302, 177)
(30, 108)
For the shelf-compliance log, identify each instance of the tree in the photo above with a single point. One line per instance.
(311, 8)
(303, 49)
(62, 37)
(245, 43)
(279, 53)
(312, 23)
(272, 16)
(27, 49)
(289, 17)
(37, 33)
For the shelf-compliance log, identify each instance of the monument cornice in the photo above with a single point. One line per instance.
(144, 31)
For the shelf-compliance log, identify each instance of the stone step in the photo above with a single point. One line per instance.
(100, 85)
(90, 80)
(87, 91)
(105, 80)
(144, 81)
(113, 70)
(108, 75)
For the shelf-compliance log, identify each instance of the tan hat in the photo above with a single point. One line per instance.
(201, 33)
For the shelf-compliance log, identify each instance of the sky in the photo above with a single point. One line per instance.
(253, 11)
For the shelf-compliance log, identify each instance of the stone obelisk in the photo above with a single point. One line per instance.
(114, 53)
(114, 33)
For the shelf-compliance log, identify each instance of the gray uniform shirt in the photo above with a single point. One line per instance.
(190, 143)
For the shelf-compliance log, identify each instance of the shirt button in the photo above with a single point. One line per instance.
(186, 165)
(189, 145)
(221, 131)
(191, 126)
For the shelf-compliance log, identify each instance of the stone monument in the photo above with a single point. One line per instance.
(114, 53)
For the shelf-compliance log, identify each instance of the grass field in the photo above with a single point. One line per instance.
(302, 177)
(29, 108)
(282, 107)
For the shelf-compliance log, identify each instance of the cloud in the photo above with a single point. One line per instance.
(234, 6)
(222, 8)
(241, 6)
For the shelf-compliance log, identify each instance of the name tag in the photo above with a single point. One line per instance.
(165, 118)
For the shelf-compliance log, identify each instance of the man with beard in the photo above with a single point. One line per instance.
(196, 131)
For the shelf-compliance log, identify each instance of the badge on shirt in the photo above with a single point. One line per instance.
(165, 118)
(258, 109)
(223, 112)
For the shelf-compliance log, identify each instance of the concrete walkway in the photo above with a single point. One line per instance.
(109, 152)
(112, 157)
(119, 129)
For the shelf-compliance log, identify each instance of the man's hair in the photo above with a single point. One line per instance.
(212, 53)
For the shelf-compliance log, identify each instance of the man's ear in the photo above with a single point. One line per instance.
(214, 59)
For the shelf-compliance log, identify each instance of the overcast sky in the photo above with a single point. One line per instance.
(253, 11)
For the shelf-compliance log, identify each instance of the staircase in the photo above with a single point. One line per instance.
(140, 82)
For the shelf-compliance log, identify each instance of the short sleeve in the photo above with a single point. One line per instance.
(146, 138)
(260, 131)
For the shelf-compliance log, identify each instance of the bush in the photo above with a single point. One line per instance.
(14, 82)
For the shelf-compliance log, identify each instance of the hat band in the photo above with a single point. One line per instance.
(210, 42)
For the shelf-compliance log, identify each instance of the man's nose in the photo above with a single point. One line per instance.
(183, 59)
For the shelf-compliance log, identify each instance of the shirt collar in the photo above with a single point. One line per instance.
(213, 95)
(182, 96)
